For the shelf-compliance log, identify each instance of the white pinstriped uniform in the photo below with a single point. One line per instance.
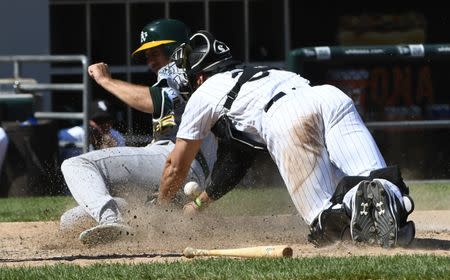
(314, 134)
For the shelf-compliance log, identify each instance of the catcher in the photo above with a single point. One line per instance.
(314, 134)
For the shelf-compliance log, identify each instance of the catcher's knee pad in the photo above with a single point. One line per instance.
(332, 225)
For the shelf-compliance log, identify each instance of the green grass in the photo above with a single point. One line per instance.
(367, 267)
(241, 201)
(430, 196)
(27, 209)
(272, 201)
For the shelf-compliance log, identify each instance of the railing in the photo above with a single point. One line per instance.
(18, 60)
(430, 124)
(359, 56)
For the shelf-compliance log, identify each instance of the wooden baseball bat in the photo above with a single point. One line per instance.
(275, 251)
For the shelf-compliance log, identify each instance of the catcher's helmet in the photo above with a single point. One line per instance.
(168, 32)
(202, 53)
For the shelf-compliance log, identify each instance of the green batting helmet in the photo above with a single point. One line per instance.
(167, 32)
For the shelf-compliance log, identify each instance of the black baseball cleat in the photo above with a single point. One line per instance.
(362, 224)
(378, 217)
(332, 225)
(386, 214)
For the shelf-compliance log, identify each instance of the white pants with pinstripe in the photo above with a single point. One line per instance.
(315, 136)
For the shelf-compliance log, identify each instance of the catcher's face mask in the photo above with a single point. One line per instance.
(176, 78)
(181, 69)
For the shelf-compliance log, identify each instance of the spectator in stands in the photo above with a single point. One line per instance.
(101, 132)
(3, 147)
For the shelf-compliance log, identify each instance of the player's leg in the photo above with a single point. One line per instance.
(84, 177)
(88, 178)
(350, 145)
(354, 151)
(94, 177)
(294, 132)
(128, 172)
(77, 219)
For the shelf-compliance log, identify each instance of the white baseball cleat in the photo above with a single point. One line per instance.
(105, 233)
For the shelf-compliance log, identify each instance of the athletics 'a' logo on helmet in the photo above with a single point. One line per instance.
(143, 36)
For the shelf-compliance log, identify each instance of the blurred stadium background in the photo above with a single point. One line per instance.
(403, 76)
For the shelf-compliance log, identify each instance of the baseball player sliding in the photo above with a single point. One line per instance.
(99, 180)
(313, 133)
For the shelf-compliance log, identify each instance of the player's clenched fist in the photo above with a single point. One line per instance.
(99, 72)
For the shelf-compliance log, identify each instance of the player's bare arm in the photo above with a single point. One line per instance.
(136, 96)
(177, 167)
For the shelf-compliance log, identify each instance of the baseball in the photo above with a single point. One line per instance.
(192, 189)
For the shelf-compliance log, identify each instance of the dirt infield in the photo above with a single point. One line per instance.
(163, 238)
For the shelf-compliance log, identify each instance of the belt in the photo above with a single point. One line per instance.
(273, 100)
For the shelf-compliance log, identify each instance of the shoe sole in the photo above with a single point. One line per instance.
(383, 212)
(105, 233)
(362, 225)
